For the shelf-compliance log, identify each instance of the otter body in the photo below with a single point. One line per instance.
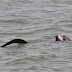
(20, 41)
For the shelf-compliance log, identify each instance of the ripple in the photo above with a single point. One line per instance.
(36, 22)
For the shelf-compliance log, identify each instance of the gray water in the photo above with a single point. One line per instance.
(37, 22)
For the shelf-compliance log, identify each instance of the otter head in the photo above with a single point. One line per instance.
(58, 38)
(65, 38)
(62, 38)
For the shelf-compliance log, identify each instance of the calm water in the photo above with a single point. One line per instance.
(36, 21)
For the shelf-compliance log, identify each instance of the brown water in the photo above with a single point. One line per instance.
(36, 21)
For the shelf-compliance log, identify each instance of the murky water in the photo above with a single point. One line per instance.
(37, 22)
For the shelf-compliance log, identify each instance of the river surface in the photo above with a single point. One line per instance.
(37, 22)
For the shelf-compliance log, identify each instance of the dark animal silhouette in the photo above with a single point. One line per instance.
(20, 41)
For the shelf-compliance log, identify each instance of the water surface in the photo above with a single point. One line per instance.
(36, 21)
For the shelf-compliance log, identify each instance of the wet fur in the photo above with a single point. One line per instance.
(57, 38)
(20, 41)
(62, 38)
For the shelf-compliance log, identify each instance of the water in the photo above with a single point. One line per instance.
(37, 22)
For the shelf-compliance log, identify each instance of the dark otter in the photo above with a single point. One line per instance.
(20, 41)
